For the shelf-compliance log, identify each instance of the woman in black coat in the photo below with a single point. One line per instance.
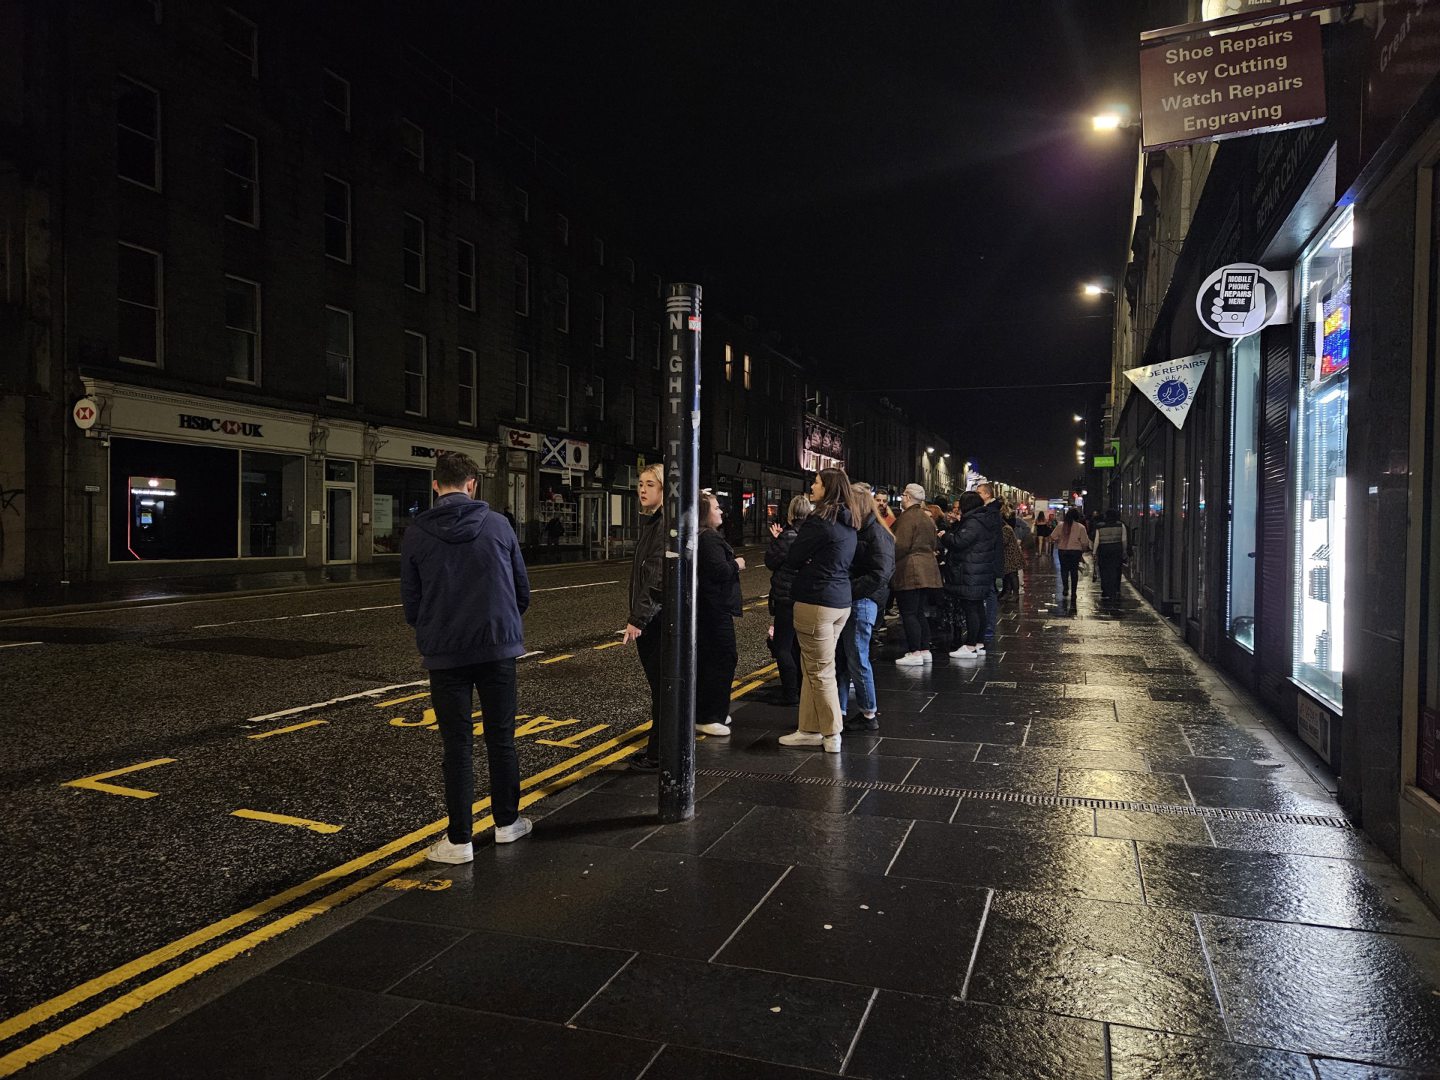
(970, 550)
(783, 644)
(717, 604)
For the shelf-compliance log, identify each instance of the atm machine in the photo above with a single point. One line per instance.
(152, 516)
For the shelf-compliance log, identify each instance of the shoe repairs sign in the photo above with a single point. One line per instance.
(1171, 386)
(1221, 86)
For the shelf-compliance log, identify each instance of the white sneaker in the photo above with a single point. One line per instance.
(927, 657)
(508, 834)
(832, 744)
(963, 651)
(444, 851)
(910, 659)
(802, 738)
(979, 646)
(713, 729)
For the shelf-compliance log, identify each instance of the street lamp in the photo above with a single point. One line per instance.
(1079, 419)
(1108, 122)
(929, 449)
(1079, 442)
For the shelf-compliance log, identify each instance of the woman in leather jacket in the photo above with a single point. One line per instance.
(646, 624)
(783, 644)
(717, 603)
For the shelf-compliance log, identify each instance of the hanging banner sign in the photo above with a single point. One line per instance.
(1172, 385)
(1265, 78)
(1242, 298)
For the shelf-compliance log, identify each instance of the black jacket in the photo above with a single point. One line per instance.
(991, 512)
(463, 584)
(970, 550)
(874, 563)
(781, 576)
(821, 556)
(718, 577)
(647, 572)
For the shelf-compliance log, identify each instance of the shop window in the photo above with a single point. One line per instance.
(172, 501)
(1319, 657)
(400, 494)
(1244, 489)
(272, 505)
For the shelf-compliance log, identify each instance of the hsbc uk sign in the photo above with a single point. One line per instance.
(222, 425)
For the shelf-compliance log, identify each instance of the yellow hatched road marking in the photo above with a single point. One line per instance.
(557, 659)
(287, 730)
(286, 819)
(92, 783)
(573, 742)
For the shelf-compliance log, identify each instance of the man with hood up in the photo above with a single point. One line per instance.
(464, 588)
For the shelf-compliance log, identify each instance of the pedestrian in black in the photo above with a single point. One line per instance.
(1110, 540)
(554, 529)
(647, 595)
(717, 604)
(970, 556)
(464, 589)
(784, 646)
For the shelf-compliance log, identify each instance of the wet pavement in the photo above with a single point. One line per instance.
(1085, 856)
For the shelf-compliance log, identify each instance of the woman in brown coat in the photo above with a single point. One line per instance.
(917, 573)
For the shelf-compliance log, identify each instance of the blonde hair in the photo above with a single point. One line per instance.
(656, 469)
(798, 510)
(708, 503)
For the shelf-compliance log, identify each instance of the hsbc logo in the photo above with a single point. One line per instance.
(191, 422)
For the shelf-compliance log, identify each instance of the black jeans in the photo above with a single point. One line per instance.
(1070, 571)
(974, 612)
(786, 650)
(1012, 584)
(912, 616)
(452, 692)
(1110, 556)
(650, 646)
(715, 659)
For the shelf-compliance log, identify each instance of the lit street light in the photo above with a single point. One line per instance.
(1079, 419)
(1079, 442)
(1091, 289)
(1108, 122)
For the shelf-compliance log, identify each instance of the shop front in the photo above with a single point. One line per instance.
(401, 466)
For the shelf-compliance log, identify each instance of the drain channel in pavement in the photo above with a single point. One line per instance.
(1214, 813)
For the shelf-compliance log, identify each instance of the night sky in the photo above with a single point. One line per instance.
(910, 193)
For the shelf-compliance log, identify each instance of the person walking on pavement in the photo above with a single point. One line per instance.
(554, 530)
(821, 556)
(970, 554)
(647, 596)
(1043, 528)
(986, 491)
(870, 573)
(464, 589)
(917, 573)
(1072, 541)
(717, 604)
(1110, 540)
(783, 645)
(1014, 558)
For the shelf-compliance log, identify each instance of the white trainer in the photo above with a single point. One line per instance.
(720, 730)
(927, 657)
(910, 659)
(444, 851)
(508, 834)
(964, 651)
(802, 738)
(832, 744)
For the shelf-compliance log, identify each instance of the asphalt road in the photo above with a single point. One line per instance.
(305, 712)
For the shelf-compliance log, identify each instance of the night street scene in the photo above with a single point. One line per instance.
(720, 540)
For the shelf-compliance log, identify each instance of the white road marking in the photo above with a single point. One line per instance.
(306, 615)
(18, 644)
(335, 701)
(587, 585)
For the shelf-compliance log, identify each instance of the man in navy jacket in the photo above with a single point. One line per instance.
(464, 587)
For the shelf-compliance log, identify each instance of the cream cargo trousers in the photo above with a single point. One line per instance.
(818, 631)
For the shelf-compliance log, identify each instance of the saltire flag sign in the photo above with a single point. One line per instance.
(1171, 386)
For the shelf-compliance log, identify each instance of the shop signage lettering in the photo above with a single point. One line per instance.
(1171, 386)
(1261, 79)
(516, 439)
(1240, 299)
(191, 422)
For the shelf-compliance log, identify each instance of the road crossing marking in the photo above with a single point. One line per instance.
(286, 819)
(93, 783)
(287, 730)
(334, 701)
(557, 659)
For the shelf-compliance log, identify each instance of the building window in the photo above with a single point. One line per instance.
(747, 371)
(417, 362)
(562, 303)
(522, 385)
(141, 315)
(522, 284)
(401, 494)
(137, 133)
(658, 336)
(241, 157)
(562, 230)
(629, 333)
(465, 177)
(597, 386)
(240, 38)
(414, 245)
(193, 518)
(598, 327)
(630, 271)
(272, 505)
(522, 203)
(465, 273)
(337, 219)
(467, 386)
(599, 252)
(1320, 488)
(339, 354)
(729, 363)
(412, 143)
(630, 416)
(336, 95)
(242, 328)
(562, 392)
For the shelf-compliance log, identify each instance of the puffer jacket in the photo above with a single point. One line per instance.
(970, 554)
(781, 576)
(991, 511)
(647, 573)
(874, 562)
(821, 556)
(915, 548)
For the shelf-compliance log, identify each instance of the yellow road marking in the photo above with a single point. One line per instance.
(92, 783)
(573, 742)
(287, 730)
(285, 819)
(32, 1052)
(608, 645)
(400, 700)
(557, 659)
(747, 688)
(407, 884)
(85, 991)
